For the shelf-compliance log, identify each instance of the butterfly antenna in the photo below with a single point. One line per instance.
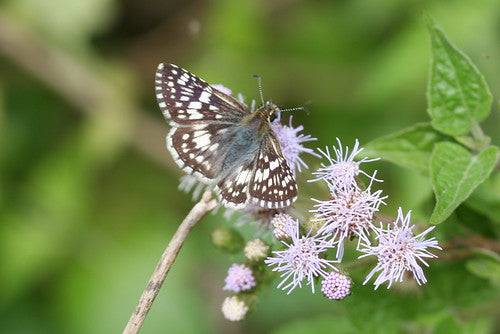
(259, 85)
(292, 109)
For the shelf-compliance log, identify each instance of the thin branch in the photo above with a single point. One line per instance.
(205, 205)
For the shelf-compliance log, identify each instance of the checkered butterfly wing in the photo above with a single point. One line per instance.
(273, 183)
(200, 117)
(185, 99)
(266, 181)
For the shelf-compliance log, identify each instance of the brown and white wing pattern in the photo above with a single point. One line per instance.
(266, 181)
(199, 116)
(185, 99)
(209, 139)
(273, 183)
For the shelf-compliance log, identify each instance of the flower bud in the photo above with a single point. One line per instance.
(234, 309)
(336, 286)
(256, 250)
(227, 239)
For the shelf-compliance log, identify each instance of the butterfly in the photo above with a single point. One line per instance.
(224, 143)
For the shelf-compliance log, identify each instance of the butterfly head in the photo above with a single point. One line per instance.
(269, 110)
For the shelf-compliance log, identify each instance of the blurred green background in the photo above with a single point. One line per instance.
(88, 193)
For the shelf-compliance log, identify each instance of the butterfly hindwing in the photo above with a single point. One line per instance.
(233, 189)
(196, 149)
(273, 184)
(266, 181)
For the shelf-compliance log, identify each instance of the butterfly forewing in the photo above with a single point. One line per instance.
(186, 99)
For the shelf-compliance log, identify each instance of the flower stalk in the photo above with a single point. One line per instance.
(199, 210)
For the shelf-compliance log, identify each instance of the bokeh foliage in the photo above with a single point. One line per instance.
(86, 210)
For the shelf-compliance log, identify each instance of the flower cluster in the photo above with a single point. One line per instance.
(398, 251)
(312, 252)
(302, 258)
(349, 211)
(347, 214)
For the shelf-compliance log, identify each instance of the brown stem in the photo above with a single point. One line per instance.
(461, 248)
(168, 257)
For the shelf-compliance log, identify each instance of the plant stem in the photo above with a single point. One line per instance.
(481, 141)
(205, 205)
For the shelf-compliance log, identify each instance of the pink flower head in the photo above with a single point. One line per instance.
(341, 170)
(283, 224)
(336, 286)
(239, 278)
(222, 88)
(291, 142)
(301, 260)
(399, 251)
(348, 213)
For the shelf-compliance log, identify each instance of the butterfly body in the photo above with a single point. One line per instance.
(222, 142)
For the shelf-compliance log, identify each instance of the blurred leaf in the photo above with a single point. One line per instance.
(3, 156)
(486, 198)
(486, 266)
(57, 197)
(448, 325)
(410, 147)
(457, 93)
(69, 22)
(455, 173)
(445, 321)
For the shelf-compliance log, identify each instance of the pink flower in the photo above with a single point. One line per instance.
(302, 259)
(291, 142)
(239, 278)
(342, 170)
(399, 251)
(348, 213)
(336, 286)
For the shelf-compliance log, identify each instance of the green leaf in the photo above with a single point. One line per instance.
(410, 147)
(457, 93)
(455, 173)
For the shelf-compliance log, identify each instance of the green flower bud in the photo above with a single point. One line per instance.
(227, 239)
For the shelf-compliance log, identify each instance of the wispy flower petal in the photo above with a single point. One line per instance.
(341, 170)
(302, 259)
(292, 142)
(348, 213)
(398, 251)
